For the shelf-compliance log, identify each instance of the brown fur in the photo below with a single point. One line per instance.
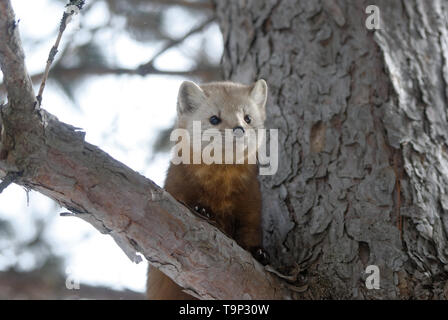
(231, 193)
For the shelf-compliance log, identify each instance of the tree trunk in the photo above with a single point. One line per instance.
(363, 166)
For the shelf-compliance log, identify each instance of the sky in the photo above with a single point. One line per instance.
(120, 114)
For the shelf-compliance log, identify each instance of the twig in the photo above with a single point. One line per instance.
(148, 66)
(8, 179)
(54, 50)
(207, 73)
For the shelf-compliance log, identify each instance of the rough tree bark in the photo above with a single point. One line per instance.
(362, 115)
(43, 154)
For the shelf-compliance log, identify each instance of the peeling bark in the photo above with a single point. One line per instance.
(53, 158)
(362, 119)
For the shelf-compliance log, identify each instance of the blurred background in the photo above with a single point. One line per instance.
(116, 75)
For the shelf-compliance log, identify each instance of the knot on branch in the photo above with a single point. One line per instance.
(145, 69)
(9, 178)
(78, 3)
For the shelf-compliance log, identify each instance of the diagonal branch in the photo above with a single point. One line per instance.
(150, 64)
(55, 160)
(66, 17)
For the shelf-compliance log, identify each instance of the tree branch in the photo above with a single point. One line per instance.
(66, 16)
(12, 58)
(104, 70)
(150, 64)
(139, 215)
(206, 73)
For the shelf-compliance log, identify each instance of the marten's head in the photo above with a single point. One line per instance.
(222, 105)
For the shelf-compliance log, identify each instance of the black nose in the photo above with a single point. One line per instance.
(238, 131)
(238, 128)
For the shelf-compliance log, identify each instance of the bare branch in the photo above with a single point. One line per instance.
(17, 82)
(104, 70)
(150, 64)
(66, 16)
(207, 73)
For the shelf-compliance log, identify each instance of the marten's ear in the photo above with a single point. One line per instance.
(259, 93)
(189, 98)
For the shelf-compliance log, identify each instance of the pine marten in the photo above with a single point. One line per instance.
(228, 194)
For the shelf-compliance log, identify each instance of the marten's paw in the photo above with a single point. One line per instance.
(203, 211)
(261, 255)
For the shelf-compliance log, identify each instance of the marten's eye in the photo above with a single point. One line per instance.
(247, 118)
(214, 120)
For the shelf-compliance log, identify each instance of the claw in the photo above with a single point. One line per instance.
(206, 213)
(261, 255)
(202, 211)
